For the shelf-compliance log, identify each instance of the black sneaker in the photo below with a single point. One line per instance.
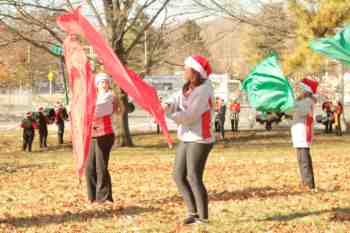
(190, 219)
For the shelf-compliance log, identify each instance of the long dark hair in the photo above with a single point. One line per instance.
(192, 84)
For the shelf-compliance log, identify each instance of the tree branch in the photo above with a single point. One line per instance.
(97, 15)
(27, 4)
(140, 34)
(27, 38)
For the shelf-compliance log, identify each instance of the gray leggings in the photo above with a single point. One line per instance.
(305, 167)
(188, 174)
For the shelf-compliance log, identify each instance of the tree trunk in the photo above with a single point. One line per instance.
(124, 135)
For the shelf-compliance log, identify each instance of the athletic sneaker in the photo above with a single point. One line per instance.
(201, 221)
(190, 219)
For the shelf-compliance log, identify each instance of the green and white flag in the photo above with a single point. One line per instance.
(267, 88)
(336, 47)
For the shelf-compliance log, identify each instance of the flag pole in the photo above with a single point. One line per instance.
(66, 98)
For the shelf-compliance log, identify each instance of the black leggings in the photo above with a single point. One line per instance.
(43, 137)
(28, 140)
(98, 179)
(188, 174)
(60, 132)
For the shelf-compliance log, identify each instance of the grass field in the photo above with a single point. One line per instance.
(252, 179)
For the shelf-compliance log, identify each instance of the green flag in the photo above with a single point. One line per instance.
(267, 88)
(337, 47)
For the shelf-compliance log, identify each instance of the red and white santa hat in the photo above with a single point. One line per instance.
(309, 85)
(29, 114)
(199, 64)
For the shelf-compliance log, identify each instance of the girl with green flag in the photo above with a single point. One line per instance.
(269, 91)
(302, 129)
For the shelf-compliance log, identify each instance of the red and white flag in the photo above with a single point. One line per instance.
(143, 94)
(83, 100)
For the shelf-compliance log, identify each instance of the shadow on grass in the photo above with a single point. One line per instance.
(67, 145)
(12, 168)
(338, 214)
(262, 136)
(290, 217)
(240, 195)
(249, 193)
(160, 145)
(38, 151)
(341, 215)
(67, 216)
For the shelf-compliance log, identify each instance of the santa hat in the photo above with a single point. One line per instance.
(29, 114)
(199, 64)
(309, 85)
(40, 109)
(100, 77)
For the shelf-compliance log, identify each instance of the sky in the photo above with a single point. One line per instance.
(178, 11)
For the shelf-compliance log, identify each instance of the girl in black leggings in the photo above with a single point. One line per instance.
(98, 179)
(192, 110)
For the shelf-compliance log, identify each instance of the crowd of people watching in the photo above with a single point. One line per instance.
(38, 120)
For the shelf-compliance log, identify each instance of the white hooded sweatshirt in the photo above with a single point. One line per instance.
(302, 126)
(194, 114)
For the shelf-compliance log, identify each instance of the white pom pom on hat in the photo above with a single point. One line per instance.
(102, 76)
(309, 85)
(199, 64)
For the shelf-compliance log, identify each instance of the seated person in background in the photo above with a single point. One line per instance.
(269, 118)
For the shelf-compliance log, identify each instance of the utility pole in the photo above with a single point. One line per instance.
(146, 55)
(342, 92)
(30, 71)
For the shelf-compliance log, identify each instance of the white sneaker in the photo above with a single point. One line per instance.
(201, 221)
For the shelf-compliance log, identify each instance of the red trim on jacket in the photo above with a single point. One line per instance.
(206, 121)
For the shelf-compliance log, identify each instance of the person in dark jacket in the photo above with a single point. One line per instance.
(42, 122)
(327, 107)
(60, 116)
(337, 117)
(235, 108)
(220, 117)
(28, 124)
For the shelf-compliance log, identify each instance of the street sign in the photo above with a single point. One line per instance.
(50, 76)
(56, 49)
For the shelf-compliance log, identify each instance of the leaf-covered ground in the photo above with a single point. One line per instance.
(252, 179)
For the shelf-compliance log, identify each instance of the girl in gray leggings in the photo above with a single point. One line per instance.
(188, 174)
(192, 110)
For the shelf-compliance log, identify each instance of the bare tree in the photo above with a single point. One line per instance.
(243, 12)
(120, 18)
(116, 18)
